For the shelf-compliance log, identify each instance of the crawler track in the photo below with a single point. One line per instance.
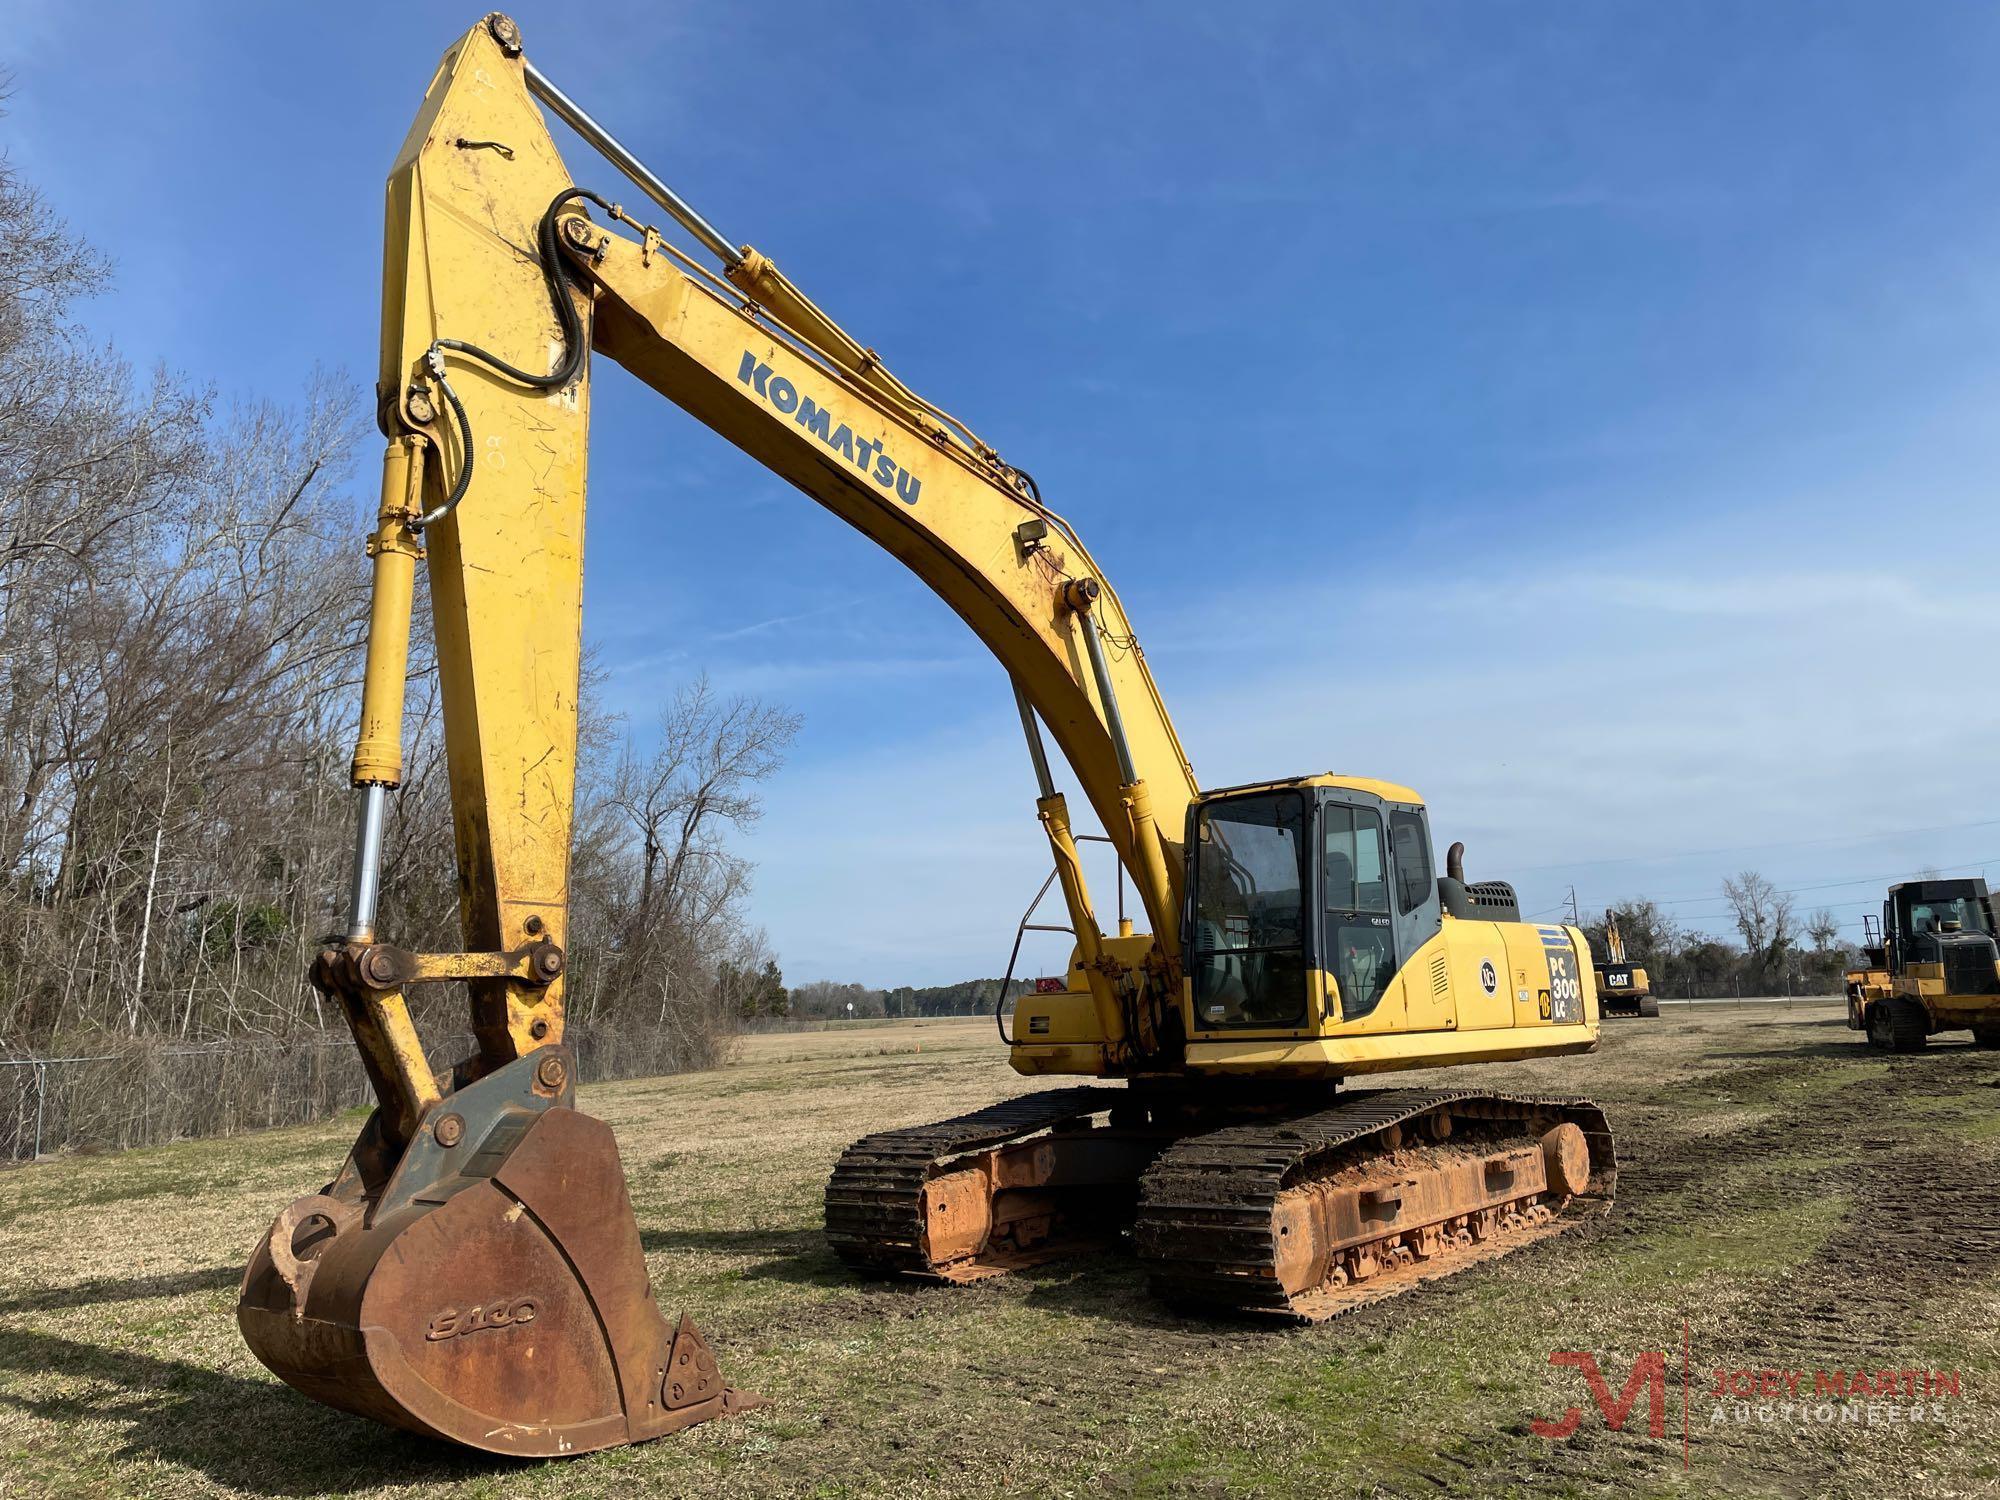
(1211, 1207)
(875, 1200)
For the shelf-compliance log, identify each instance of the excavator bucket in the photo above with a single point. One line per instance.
(486, 1286)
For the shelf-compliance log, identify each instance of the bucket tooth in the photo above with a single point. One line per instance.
(491, 1292)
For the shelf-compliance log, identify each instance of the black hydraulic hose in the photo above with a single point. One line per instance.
(558, 278)
(556, 274)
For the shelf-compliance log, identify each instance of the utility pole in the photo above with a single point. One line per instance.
(1575, 919)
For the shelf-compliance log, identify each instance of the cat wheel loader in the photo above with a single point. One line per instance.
(1931, 965)
(474, 1270)
(1623, 987)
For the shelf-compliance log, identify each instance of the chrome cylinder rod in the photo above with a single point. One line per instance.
(367, 864)
(1101, 670)
(1043, 781)
(573, 115)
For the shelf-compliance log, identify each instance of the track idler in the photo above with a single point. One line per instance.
(486, 1286)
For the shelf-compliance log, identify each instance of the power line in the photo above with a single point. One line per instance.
(1652, 859)
(1730, 914)
(1829, 885)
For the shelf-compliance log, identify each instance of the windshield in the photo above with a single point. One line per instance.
(1248, 935)
(1938, 915)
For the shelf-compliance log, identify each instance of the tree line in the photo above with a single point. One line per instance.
(1778, 951)
(183, 604)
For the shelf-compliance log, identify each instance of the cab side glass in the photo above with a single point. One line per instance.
(1413, 861)
(1361, 946)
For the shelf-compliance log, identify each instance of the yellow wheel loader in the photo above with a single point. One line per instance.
(474, 1269)
(1930, 966)
(1623, 987)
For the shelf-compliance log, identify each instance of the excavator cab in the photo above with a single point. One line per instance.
(1319, 940)
(1289, 883)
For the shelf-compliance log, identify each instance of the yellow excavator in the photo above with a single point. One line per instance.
(1623, 987)
(474, 1270)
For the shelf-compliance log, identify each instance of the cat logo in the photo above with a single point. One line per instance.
(1489, 978)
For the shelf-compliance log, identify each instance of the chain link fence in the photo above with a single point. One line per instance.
(142, 1093)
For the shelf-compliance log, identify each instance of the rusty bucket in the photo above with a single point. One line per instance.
(484, 1285)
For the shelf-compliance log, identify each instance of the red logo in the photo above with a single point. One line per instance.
(1649, 1373)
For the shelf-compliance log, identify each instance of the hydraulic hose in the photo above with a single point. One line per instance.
(558, 277)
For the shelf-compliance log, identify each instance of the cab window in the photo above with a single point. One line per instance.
(1361, 947)
(1413, 861)
(1247, 937)
(1939, 915)
(1353, 860)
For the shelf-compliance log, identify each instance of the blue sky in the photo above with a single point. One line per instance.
(1581, 413)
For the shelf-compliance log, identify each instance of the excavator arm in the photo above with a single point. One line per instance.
(484, 250)
(486, 1202)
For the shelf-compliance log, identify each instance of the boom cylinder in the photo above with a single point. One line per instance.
(1045, 785)
(1053, 810)
(1157, 887)
(1114, 722)
(1054, 813)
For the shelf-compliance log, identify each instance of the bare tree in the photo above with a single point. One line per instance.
(697, 786)
(182, 607)
(1764, 918)
(1823, 928)
(654, 851)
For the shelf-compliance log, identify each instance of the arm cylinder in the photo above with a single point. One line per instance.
(573, 115)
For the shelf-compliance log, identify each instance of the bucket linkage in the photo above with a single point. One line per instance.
(482, 1282)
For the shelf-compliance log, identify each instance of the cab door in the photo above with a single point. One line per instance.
(1358, 932)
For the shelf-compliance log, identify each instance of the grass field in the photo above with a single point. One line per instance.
(1789, 1201)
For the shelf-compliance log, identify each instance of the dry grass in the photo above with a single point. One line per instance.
(1749, 1208)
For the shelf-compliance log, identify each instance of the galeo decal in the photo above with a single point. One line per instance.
(455, 1323)
(865, 454)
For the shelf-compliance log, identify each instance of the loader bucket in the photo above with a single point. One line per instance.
(487, 1287)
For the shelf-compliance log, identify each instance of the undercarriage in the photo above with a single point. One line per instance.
(1298, 1210)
